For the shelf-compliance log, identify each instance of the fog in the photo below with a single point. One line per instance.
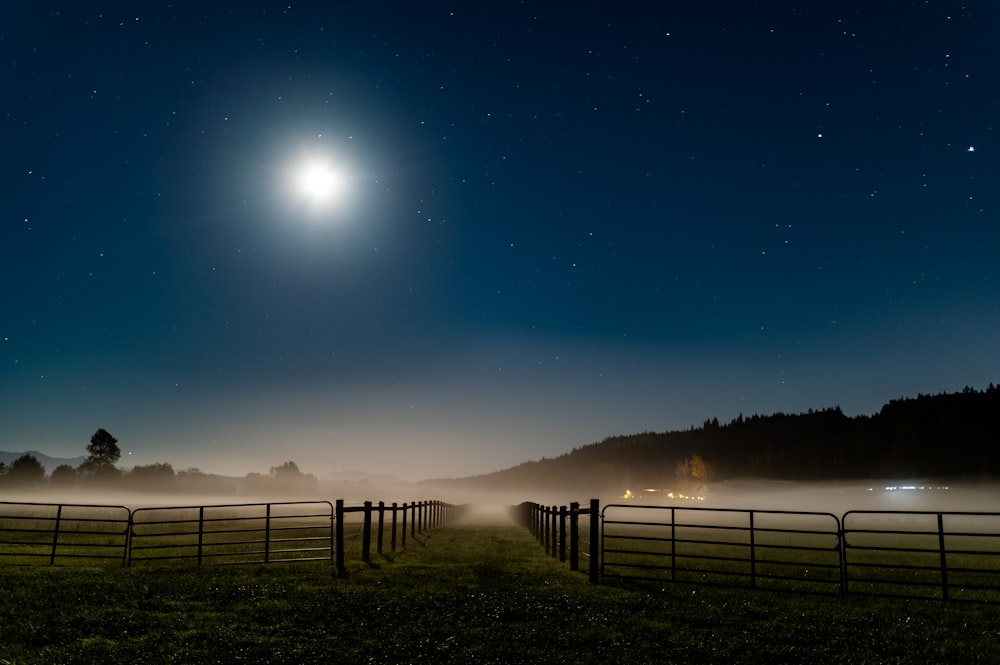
(957, 494)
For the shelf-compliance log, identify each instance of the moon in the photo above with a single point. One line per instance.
(319, 184)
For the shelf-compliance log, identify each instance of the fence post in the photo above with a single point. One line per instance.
(545, 527)
(127, 554)
(393, 537)
(267, 533)
(381, 525)
(55, 535)
(540, 523)
(944, 561)
(595, 531)
(555, 531)
(366, 533)
(562, 533)
(413, 519)
(201, 531)
(403, 530)
(753, 555)
(574, 535)
(340, 538)
(673, 543)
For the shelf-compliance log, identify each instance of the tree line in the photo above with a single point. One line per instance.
(99, 470)
(948, 434)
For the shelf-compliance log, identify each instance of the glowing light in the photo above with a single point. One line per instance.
(319, 183)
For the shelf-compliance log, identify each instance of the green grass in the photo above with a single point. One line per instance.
(465, 593)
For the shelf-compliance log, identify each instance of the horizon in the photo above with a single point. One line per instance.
(440, 241)
(383, 476)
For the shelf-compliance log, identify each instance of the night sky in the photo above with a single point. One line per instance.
(547, 223)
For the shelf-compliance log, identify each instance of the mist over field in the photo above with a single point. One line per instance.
(836, 497)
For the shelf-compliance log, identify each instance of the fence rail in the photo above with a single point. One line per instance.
(907, 554)
(945, 555)
(233, 533)
(34, 531)
(250, 533)
(780, 550)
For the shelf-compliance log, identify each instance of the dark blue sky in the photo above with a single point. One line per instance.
(561, 221)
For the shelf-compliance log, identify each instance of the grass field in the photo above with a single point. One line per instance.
(471, 592)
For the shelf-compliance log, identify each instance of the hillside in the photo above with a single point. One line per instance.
(930, 435)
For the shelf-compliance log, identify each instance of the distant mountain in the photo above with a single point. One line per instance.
(49, 463)
(942, 435)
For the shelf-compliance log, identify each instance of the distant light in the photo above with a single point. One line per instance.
(972, 148)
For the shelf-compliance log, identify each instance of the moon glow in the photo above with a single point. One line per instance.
(319, 183)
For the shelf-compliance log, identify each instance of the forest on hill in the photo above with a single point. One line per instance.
(943, 435)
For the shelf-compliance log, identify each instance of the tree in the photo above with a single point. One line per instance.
(103, 452)
(153, 477)
(288, 478)
(26, 470)
(286, 470)
(63, 475)
(692, 473)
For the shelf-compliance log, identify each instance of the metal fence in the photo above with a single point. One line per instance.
(773, 549)
(251, 533)
(52, 533)
(906, 554)
(233, 533)
(945, 555)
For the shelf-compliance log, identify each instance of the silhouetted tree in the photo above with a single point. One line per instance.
(157, 477)
(63, 475)
(194, 480)
(286, 470)
(288, 478)
(26, 470)
(102, 453)
(283, 479)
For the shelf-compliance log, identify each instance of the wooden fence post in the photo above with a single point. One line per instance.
(403, 530)
(574, 535)
(545, 527)
(562, 533)
(555, 530)
(340, 538)
(393, 538)
(366, 534)
(381, 525)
